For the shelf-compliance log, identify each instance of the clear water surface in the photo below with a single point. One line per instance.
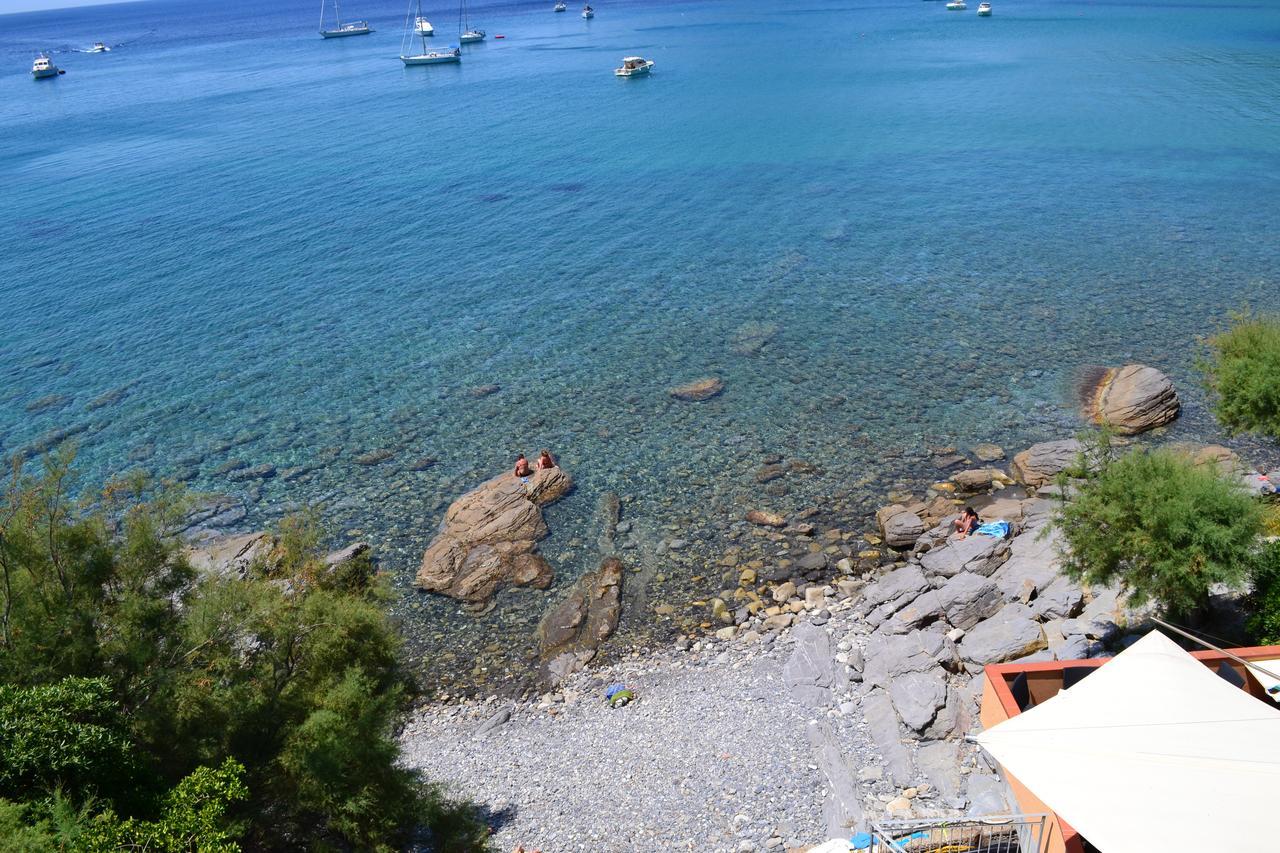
(888, 228)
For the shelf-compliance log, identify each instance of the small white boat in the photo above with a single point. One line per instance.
(634, 66)
(341, 30)
(984, 10)
(560, 7)
(422, 27)
(43, 67)
(588, 12)
(435, 56)
(471, 36)
(956, 6)
(99, 47)
(467, 34)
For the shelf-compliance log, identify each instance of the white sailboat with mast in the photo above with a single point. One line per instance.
(466, 34)
(427, 56)
(341, 30)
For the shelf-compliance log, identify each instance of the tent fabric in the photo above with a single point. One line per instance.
(1152, 752)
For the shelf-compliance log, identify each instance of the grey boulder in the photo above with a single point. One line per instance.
(967, 599)
(1039, 464)
(1011, 633)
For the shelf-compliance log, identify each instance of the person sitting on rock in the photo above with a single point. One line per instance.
(523, 471)
(545, 462)
(967, 523)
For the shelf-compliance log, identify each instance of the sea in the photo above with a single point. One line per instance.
(892, 230)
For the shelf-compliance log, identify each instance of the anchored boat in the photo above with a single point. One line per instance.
(341, 30)
(427, 56)
(984, 10)
(588, 12)
(466, 33)
(634, 66)
(43, 67)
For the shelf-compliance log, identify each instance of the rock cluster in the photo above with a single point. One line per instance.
(489, 538)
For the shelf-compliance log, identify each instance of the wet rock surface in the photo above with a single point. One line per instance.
(1132, 399)
(699, 390)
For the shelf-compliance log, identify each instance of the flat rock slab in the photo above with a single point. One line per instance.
(1011, 633)
(889, 657)
(585, 617)
(978, 554)
(1039, 464)
(939, 761)
(812, 673)
(967, 599)
(842, 807)
(917, 696)
(882, 725)
(489, 538)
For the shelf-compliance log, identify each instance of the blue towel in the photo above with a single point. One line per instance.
(998, 529)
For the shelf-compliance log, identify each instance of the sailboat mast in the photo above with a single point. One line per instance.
(416, 27)
(337, 13)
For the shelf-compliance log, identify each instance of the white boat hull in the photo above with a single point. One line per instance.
(642, 71)
(341, 34)
(469, 38)
(984, 13)
(588, 14)
(430, 59)
(45, 73)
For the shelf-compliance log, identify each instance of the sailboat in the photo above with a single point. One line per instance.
(355, 28)
(560, 7)
(428, 56)
(466, 34)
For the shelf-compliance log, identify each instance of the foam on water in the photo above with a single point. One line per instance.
(887, 227)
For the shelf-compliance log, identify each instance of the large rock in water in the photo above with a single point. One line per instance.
(1039, 464)
(489, 538)
(899, 527)
(585, 618)
(1132, 399)
(701, 389)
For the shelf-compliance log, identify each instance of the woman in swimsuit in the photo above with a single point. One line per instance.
(967, 523)
(523, 471)
(545, 462)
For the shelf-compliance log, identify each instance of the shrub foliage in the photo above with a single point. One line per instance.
(144, 707)
(1242, 369)
(1162, 527)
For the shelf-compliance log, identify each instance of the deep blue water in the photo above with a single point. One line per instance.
(279, 249)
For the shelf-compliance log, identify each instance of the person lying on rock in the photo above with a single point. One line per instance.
(523, 471)
(545, 462)
(967, 523)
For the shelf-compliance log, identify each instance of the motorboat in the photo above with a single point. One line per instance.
(98, 47)
(434, 56)
(341, 30)
(588, 12)
(634, 66)
(422, 27)
(43, 67)
(956, 6)
(984, 10)
(560, 7)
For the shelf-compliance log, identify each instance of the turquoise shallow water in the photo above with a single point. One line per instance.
(887, 227)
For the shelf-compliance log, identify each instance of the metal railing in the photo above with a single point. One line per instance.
(1022, 833)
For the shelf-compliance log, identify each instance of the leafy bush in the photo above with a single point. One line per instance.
(1264, 617)
(126, 679)
(1162, 527)
(1242, 370)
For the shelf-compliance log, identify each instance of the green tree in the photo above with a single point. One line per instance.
(1264, 615)
(1241, 368)
(1157, 524)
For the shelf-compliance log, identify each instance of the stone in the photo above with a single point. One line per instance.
(1131, 399)
(489, 538)
(1061, 599)
(815, 597)
(587, 615)
(987, 452)
(882, 725)
(814, 561)
(373, 457)
(766, 519)
(1041, 463)
(986, 795)
(898, 805)
(231, 556)
(778, 622)
(917, 696)
(897, 587)
(698, 390)
(967, 599)
(899, 528)
(939, 761)
(769, 473)
(489, 725)
(784, 592)
(485, 390)
(842, 807)
(423, 463)
(811, 672)
(1011, 633)
(977, 479)
(726, 633)
(256, 472)
(978, 554)
(888, 657)
(1033, 556)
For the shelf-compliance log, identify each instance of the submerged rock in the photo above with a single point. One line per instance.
(1131, 399)
(766, 519)
(373, 457)
(587, 616)
(701, 389)
(489, 538)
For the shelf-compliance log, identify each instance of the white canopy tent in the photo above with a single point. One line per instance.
(1154, 752)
